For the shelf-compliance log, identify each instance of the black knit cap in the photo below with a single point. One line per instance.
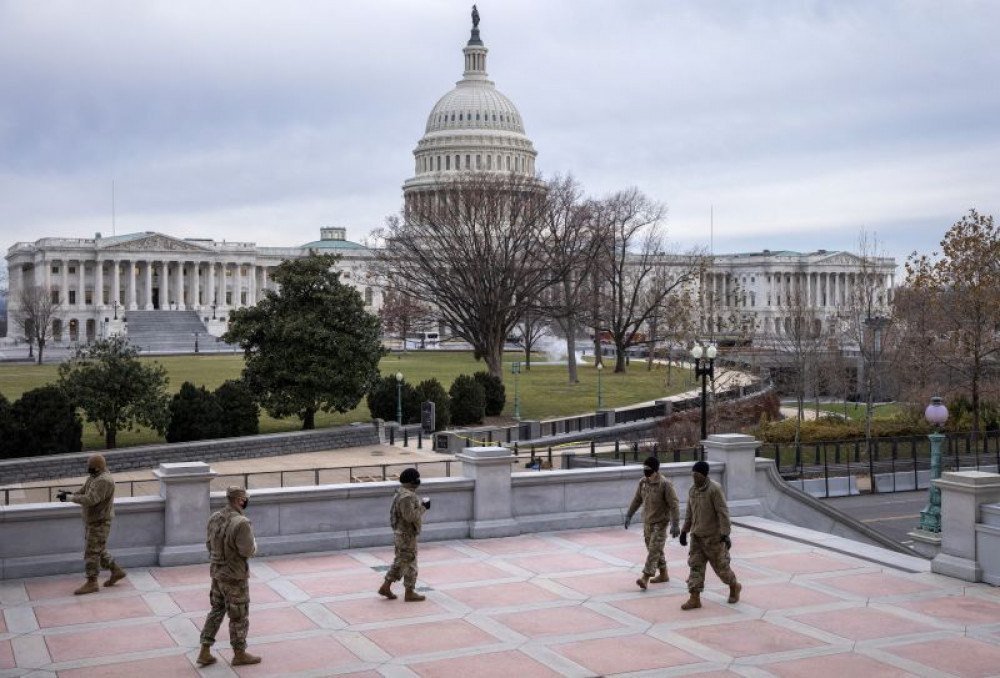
(700, 467)
(408, 476)
(652, 462)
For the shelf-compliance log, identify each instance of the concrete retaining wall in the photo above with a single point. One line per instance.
(149, 456)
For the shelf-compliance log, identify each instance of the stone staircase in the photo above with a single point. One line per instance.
(170, 332)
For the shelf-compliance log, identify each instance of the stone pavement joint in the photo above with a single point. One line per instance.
(547, 604)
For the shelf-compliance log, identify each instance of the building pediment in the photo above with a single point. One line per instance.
(839, 259)
(152, 242)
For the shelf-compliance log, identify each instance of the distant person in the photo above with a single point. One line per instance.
(97, 497)
(406, 517)
(230, 543)
(707, 521)
(659, 504)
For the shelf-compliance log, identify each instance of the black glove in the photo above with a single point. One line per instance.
(727, 541)
(628, 521)
(684, 538)
(426, 502)
(674, 531)
(63, 494)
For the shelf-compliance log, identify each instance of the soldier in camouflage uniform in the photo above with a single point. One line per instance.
(97, 497)
(659, 504)
(230, 543)
(707, 520)
(406, 517)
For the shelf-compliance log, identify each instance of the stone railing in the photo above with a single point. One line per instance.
(970, 526)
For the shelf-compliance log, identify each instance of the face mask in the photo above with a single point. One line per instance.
(648, 472)
(246, 502)
(416, 483)
(700, 480)
(93, 472)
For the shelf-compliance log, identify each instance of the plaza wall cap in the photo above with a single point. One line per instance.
(731, 438)
(485, 453)
(184, 469)
(968, 480)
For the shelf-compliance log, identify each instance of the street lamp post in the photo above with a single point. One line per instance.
(705, 369)
(213, 310)
(399, 398)
(195, 342)
(115, 305)
(515, 369)
(600, 399)
(936, 414)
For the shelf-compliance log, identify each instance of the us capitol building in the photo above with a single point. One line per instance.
(165, 282)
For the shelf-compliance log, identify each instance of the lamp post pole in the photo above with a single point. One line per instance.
(115, 305)
(600, 398)
(936, 414)
(195, 342)
(705, 369)
(515, 369)
(399, 398)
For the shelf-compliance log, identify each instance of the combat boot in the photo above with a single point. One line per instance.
(243, 658)
(660, 578)
(412, 596)
(90, 587)
(734, 593)
(693, 602)
(205, 656)
(642, 581)
(386, 590)
(117, 574)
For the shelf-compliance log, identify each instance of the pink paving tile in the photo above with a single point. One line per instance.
(959, 656)
(600, 538)
(91, 609)
(290, 656)
(808, 563)
(557, 621)
(362, 674)
(624, 654)
(272, 621)
(439, 636)
(862, 623)
(66, 647)
(783, 596)
(196, 600)
(661, 609)
(752, 545)
(508, 545)
(743, 639)
(3, 624)
(558, 562)
(378, 609)
(876, 584)
(502, 595)
(62, 587)
(160, 667)
(6, 655)
(493, 665)
(325, 563)
(605, 584)
(426, 553)
(835, 665)
(958, 609)
(635, 553)
(339, 584)
(455, 573)
(181, 575)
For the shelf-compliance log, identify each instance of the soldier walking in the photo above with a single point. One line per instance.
(406, 517)
(707, 521)
(230, 543)
(659, 504)
(97, 497)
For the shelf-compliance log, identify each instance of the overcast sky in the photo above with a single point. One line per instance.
(799, 122)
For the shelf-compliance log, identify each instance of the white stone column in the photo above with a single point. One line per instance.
(81, 293)
(131, 285)
(492, 497)
(263, 278)
(238, 285)
(196, 284)
(116, 283)
(222, 284)
(962, 494)
(210, 282)
(164, 285)
(739, 482)
(185, 488)
(64, 292)
(98, 284)
(179, 286)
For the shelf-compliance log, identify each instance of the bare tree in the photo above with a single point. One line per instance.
(529, 330)
(638, 276)
(403, 313)
(473, 249)
(34, 313)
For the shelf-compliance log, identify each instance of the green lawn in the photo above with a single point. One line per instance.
(544, 391)
(856, 411)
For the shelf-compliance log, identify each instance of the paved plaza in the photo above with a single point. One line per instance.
(557, 603)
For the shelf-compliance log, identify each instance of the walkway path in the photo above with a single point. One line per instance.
(558, 603)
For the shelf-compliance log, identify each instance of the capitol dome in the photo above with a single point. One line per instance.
(474, 127)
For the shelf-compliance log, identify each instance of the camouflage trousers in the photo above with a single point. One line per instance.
(232, 597)
(708, 550)
(95, 553)
(655, 536)
(404, 565)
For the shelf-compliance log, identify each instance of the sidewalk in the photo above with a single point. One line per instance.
(548, 604)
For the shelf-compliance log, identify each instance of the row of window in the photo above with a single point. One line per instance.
(515, 163)
(467, 117)
(88, 297)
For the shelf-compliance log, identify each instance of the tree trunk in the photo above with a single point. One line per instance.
(309, 419)
(494, 360)
(619, 358)
(571, 353)
(110, 437)
(41, 349)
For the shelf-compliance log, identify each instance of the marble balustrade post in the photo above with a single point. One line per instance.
(81, 294)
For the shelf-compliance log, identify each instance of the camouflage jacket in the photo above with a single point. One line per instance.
(407, 513)
(230, 543)
(658, 499)
(97, 497)
(707, 513)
